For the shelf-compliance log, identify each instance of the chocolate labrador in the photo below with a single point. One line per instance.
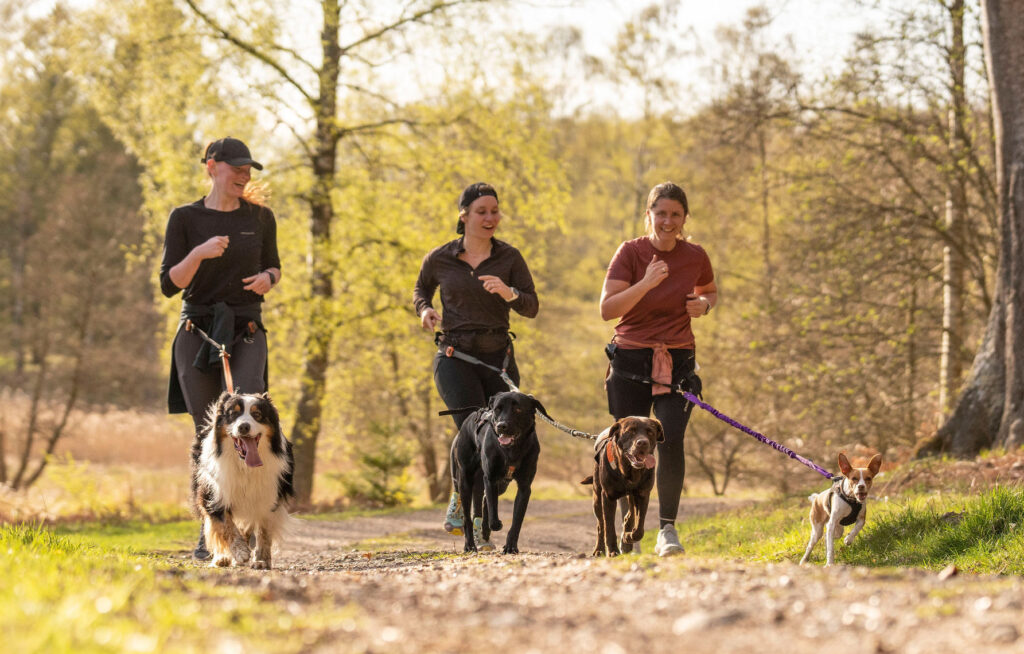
(494, 446)
(624, 467)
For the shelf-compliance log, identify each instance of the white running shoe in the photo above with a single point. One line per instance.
(668, 542)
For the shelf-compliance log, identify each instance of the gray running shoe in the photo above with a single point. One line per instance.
(627, 548)
(668, 542)
(200, 553)
(478, 536)
(453, 518)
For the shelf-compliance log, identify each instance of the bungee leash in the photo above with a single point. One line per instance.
(759, 436)
(451, 352)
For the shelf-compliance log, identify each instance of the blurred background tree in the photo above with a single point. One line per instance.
(852, 215)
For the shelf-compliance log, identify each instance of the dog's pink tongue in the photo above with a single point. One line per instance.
(649, 461)
(252, 454)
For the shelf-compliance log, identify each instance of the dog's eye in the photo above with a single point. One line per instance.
(255, 413)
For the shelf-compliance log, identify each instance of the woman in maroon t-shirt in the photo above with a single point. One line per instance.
(656, 285)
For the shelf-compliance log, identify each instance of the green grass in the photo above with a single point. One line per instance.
(83, 592)
(908, 533)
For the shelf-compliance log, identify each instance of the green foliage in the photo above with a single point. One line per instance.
(381, 478)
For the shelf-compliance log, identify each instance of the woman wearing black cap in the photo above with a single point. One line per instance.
(481, 279)
(221, 252)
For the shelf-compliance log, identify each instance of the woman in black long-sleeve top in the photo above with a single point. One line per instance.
(481, 279)
(220, 252)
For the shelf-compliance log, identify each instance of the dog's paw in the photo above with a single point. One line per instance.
(260, 565)
(848, 539)
(510, 549)
(240, 551)
(469, 549)
(496, 525)
(598, 552)
(220, 561)
(634, 536)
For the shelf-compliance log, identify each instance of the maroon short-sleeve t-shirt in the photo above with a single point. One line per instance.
(660, 315)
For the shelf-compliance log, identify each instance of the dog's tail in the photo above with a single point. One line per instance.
(812, 496)
(589, 479)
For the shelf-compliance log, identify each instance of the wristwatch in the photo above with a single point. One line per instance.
(515, 294)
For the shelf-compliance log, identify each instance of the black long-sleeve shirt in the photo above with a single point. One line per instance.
(467, 306)
(252, 248)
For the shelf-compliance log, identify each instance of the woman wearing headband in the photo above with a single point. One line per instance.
(481, 279)
(220, 253)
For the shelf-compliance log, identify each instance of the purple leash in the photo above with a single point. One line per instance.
(761, 437)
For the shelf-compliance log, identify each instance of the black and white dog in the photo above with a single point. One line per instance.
(242, 478)
(494, 446)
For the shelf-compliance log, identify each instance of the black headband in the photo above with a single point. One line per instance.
(474, 192)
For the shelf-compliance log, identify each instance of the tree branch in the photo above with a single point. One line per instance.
(437, 7)
(251, 49)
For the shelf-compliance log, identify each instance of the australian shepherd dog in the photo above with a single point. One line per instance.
(242, 479)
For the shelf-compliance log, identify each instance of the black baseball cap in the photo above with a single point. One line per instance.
(232, 152)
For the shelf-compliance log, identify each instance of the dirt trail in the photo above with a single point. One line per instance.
(405, 595)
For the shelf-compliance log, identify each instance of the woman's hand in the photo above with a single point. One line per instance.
(259, 283)
(429, 319)
(212, 248)
(697, 306)
(657, 271)
(493, 284)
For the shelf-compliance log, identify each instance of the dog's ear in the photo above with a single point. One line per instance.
(875, 464)
(537, 406)
(844, 464)
(659, 430)
(493, 400)
(613, 433)
(270, 410)
(216, 410)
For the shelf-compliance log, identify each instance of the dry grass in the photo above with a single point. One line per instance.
(110, 464)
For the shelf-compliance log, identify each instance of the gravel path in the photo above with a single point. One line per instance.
(405, 593)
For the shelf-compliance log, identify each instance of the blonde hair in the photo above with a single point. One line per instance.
(257, 193)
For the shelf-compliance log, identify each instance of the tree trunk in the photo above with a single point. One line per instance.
(318, 342)
(953, 261)
(990, 412)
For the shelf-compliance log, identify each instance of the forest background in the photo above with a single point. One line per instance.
(851, 217)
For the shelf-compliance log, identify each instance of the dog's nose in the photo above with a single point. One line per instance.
(501, 426)
(243, 428)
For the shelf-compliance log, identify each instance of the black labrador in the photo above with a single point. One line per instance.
(494, 446)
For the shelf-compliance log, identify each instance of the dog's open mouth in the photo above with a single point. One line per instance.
(248, 450)
(638, 462)
(506, 439)
(861, 496)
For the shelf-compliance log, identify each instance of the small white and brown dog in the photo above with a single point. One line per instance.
(242, 479)
(840, 506)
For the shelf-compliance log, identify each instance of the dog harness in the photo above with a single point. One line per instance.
(855, 505)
